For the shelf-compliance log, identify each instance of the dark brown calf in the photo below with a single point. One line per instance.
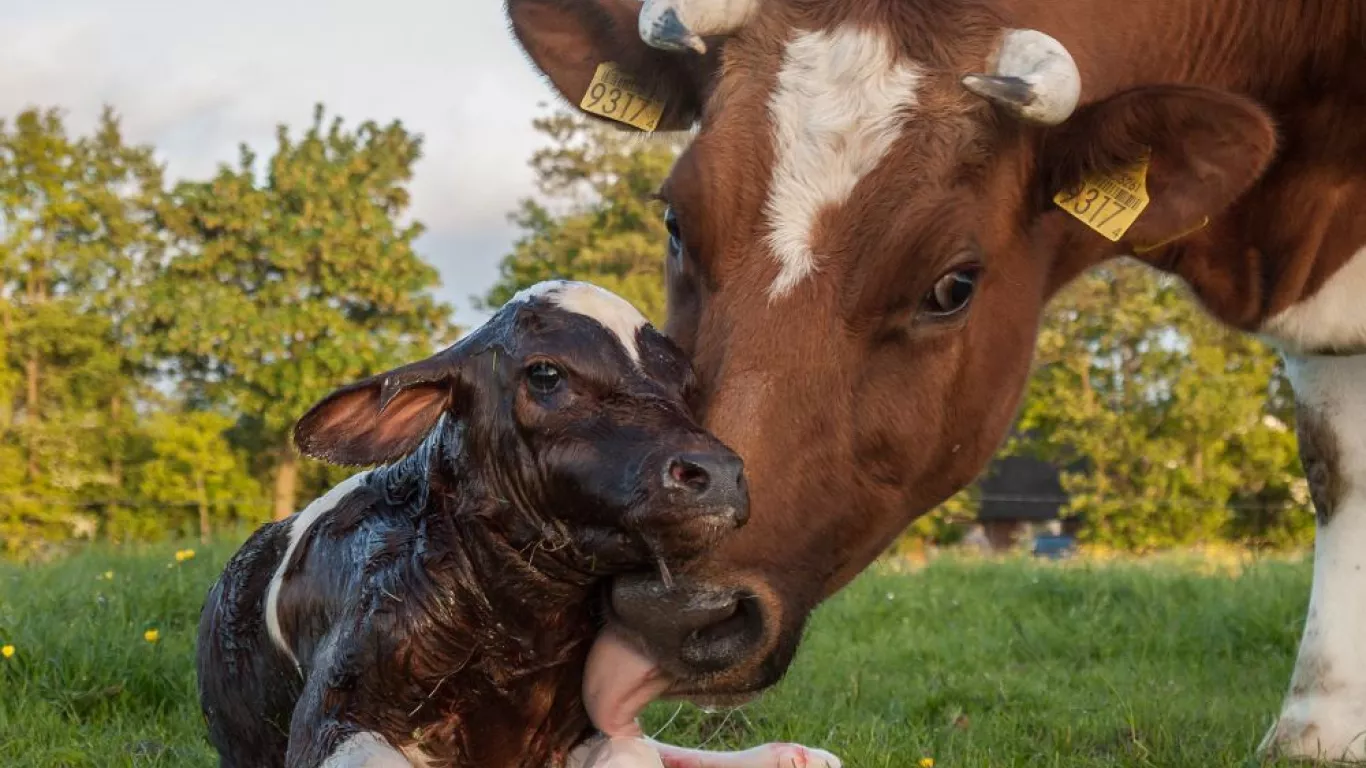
(439, 610)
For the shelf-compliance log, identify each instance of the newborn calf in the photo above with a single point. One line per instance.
(439, 610)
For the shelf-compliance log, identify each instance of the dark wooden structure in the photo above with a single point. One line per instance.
(1018, 493)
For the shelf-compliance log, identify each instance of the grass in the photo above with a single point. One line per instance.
(1014, 663)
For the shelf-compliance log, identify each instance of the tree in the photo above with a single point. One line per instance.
(191, 466)
(76, 236)
(1180, 424)
(597, 220)
(287, 284)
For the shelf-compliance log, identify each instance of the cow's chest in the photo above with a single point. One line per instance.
(1331, 320)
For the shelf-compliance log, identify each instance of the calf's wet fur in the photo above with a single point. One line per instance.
(438, 610)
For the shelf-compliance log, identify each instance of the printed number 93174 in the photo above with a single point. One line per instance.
(617, 97)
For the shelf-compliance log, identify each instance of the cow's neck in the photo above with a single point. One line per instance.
(1269, 49)
(523, 616)
(1287, 259)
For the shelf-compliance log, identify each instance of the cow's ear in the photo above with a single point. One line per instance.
(569, 40)
(1203, 148)
(383, 418)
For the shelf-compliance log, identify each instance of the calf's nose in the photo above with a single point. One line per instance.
(713, 480)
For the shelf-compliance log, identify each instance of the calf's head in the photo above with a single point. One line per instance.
(863, 238)
(569, 407)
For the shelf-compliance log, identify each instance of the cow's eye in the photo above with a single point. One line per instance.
(951, 293)
(544, 378)
(675, 233)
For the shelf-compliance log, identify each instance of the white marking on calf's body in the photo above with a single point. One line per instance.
(837, 110)
(1324, 714)
(1335, 316)
(612, 312)
(299, 525)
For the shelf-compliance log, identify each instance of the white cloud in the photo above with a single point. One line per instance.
(197, 78)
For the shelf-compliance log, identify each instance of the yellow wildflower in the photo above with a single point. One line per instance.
(7, 651)
(151, 635)
(927, 762)
(182, 555)
(109, 575)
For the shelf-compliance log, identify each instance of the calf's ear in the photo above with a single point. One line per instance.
(568, 40)
(1204, 148)
(382, 418)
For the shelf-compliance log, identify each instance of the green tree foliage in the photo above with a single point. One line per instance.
(1178, 427)
(74, 249)
(295, 278)
(597, 219)
(195, 474)
(156, 347)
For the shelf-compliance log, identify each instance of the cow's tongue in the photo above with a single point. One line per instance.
(618, 683)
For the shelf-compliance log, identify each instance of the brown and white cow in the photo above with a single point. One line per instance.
(865, 232)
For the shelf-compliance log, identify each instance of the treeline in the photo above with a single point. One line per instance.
(159, 339)
(1172, 430)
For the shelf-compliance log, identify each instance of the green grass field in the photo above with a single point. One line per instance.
(969, 663)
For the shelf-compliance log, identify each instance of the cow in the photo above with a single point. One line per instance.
(439, 608)
(879, 198)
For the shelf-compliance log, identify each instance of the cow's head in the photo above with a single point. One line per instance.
(569, 408)
(863, 237)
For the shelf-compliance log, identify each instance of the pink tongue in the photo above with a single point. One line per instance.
(618, 684)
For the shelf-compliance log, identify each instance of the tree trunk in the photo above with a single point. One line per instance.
(286, 478)
(116, 429)
(31, 370)
(203, 495)
(7, 322)
(31, 415)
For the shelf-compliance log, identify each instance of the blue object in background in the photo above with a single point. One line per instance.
(1054, 547)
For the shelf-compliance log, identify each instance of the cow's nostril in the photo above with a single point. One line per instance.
(688, 474)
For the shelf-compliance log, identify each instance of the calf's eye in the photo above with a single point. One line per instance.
(544, 378)
(951, 293)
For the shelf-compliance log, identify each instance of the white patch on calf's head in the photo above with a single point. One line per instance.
(836, 112)
(299, 525)
(612, 312)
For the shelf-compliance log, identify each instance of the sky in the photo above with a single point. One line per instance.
(196, 78)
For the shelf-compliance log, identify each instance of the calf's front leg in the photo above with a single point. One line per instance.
(1324, 714)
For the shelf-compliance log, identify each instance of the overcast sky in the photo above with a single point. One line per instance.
(195, 78)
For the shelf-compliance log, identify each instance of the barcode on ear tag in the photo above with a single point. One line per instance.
(616, 96)
(1109, 203)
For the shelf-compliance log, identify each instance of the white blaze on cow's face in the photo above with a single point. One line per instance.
(840, 105)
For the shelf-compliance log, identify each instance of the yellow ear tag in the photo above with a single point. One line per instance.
(1109, 203)
(616, 96)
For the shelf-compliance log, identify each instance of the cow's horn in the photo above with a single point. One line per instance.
(679, 25)
(1033, 77)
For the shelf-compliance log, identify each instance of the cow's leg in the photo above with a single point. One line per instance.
(1324, 714)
